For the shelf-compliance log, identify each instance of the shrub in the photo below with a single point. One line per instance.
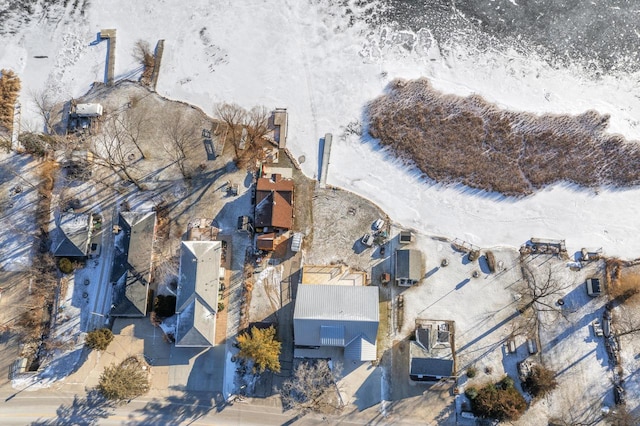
(220, 306)
(164, 306)
(65, 265)
(506, 383)
(261, 346)
(125, 381)
(540, 381)
(472, 372)
(499, 401)
(37, 145)
(471, 392)
(99, 339)
(491, 261)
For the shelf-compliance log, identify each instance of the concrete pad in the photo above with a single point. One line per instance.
(197, 369)
(360, 383)
(362, 386)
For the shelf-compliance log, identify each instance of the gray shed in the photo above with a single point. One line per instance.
(409, 267)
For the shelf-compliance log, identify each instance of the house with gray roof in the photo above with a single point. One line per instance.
(72, 235)
(431, 356)
(331, 320)
(409, 267)
(131, 271)
(198, 286)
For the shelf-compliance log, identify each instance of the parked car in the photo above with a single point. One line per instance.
(594, 289)
(378, 224)
(367, 240)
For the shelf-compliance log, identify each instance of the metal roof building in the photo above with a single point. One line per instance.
(198, 286)
(337, 316)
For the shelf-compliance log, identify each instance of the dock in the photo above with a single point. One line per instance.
(110, 36)
(281, 125)
(156, 64)
(326, 151)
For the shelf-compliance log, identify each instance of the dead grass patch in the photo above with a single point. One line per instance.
(9, 91)
(471, 141)
(626, 288)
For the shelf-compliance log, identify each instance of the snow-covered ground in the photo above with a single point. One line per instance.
(19, 177)
(265, 297)
(485, 311)
(310, 59)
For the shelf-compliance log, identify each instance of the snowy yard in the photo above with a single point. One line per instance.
(19, 198)
(626, 317)
(486, 313)
(570, 347)
(482, 308)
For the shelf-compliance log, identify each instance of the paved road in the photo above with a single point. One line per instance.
(47, 407)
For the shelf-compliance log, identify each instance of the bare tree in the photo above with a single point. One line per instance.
(234, 116)
(541, 292)
(48, 106)
(134, 122)
(5, 142)
(312, 388)
(627, 321)
(181, 136)
(110, 150)
(257, 123)
(620, 415)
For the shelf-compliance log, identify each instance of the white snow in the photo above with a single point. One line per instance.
(308, 59)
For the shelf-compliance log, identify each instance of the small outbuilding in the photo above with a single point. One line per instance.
(406, 237)
(409, 267)
(72, 235)
(88, 110)
(593, 287)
